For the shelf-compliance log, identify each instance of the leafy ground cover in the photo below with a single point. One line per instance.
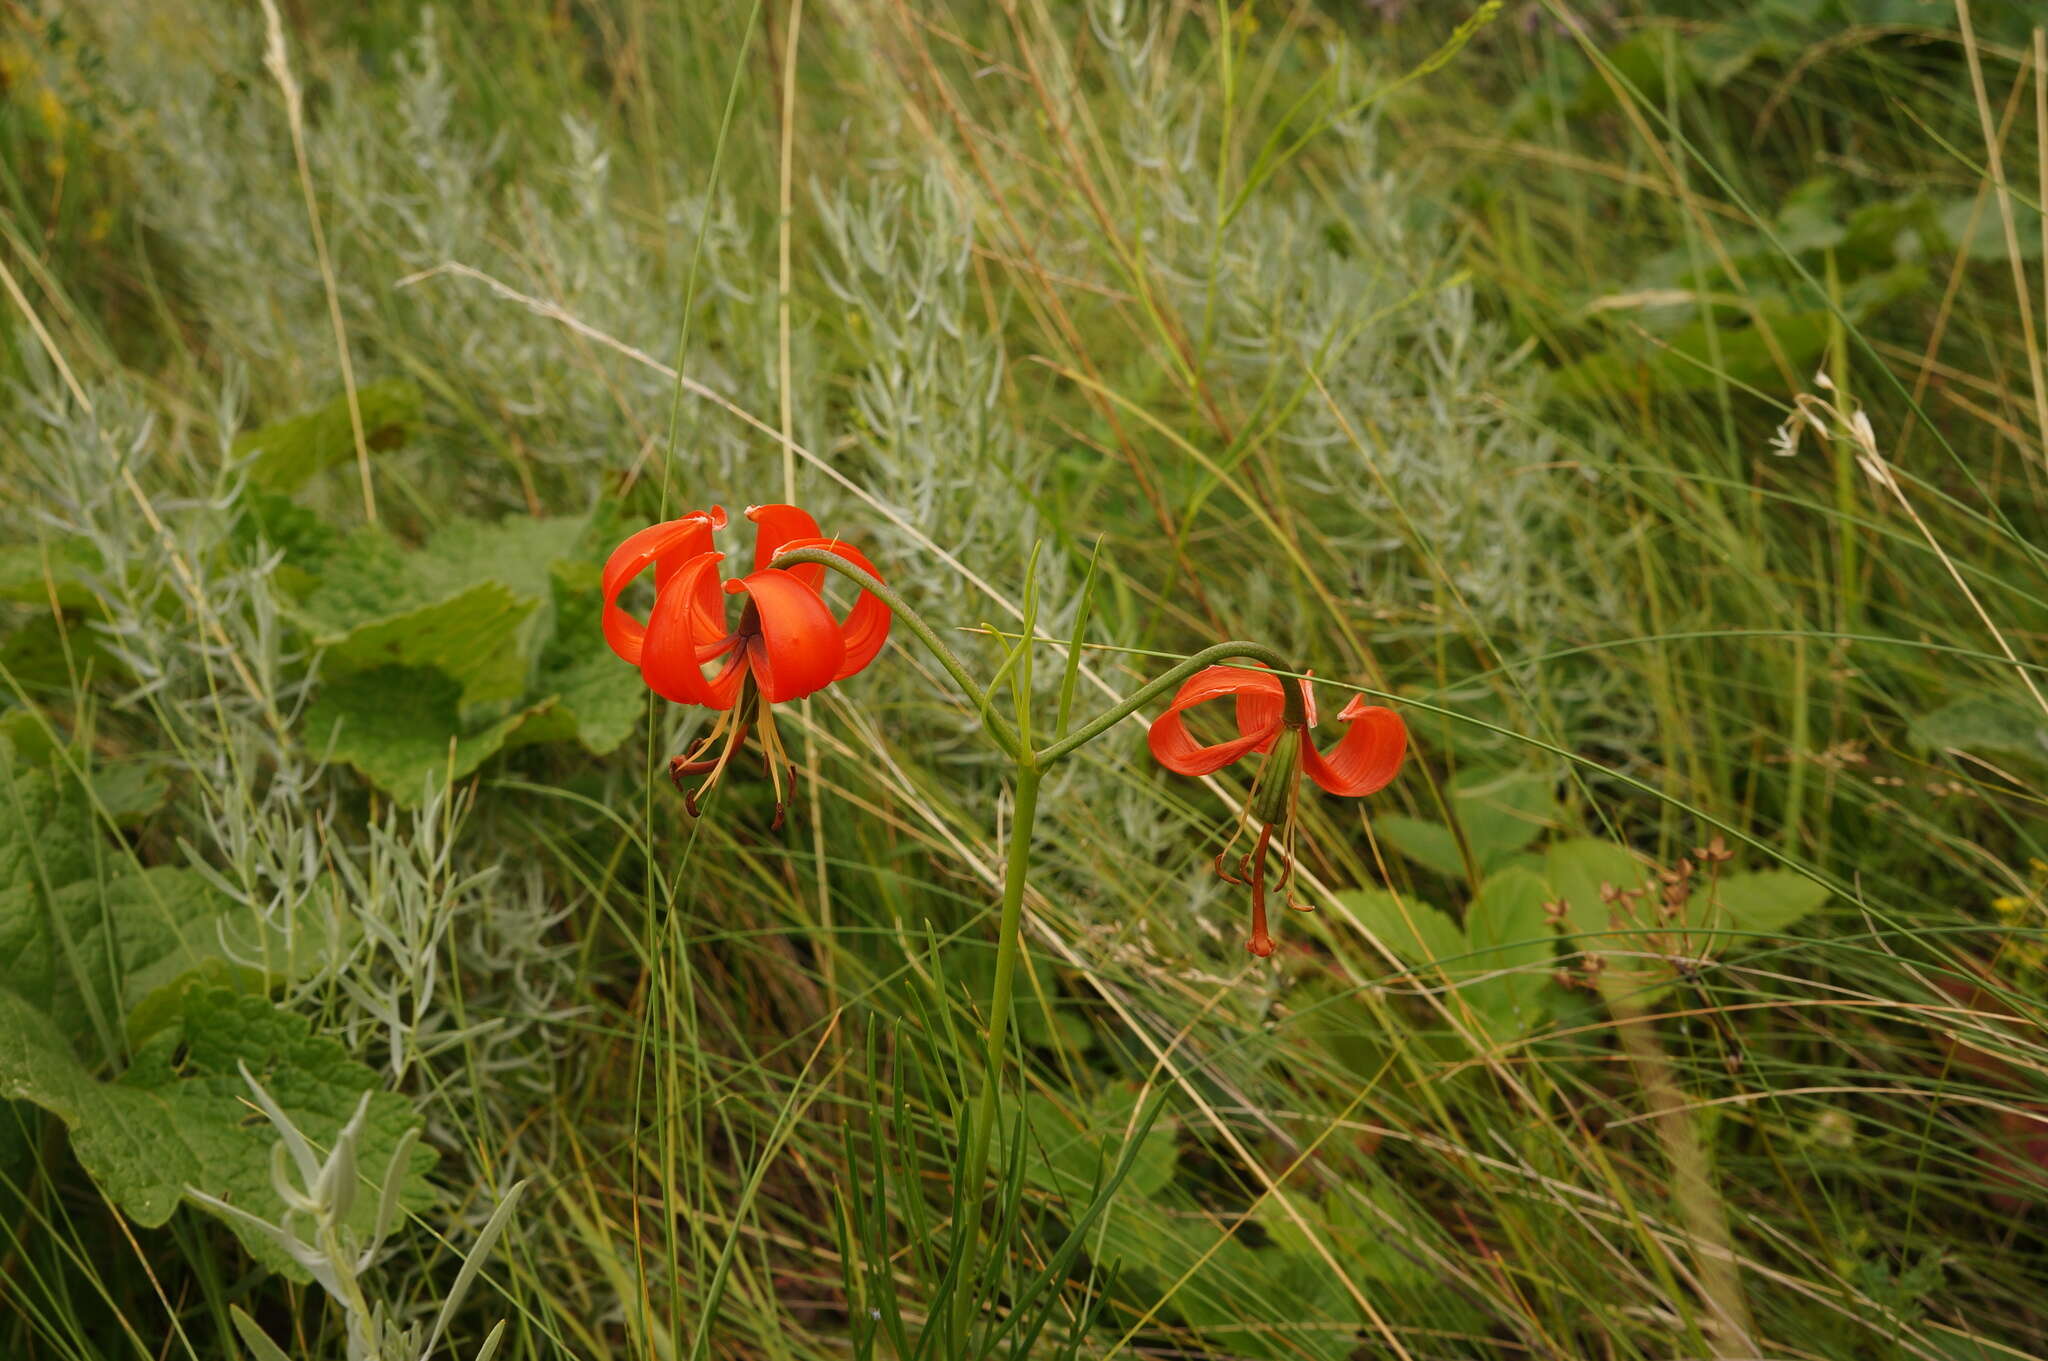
(1647, 400)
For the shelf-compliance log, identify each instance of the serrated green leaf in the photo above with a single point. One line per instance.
(402, 728)
(518, 551)
(1766, 901)
(475, 602)
(472, 637)
(282, 456)
(179, 1116)
(1411, 928)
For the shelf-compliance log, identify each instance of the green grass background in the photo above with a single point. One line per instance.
(1451, 367)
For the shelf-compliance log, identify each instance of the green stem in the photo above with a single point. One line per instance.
(1030, 771)
(1151, 690)
(1005, 737)
(1009, 944)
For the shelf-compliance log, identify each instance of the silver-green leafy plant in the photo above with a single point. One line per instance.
(315, 1232)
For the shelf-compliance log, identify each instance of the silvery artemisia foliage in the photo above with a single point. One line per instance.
(905, 376)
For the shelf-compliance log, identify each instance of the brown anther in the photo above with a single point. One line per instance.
(1609, 893)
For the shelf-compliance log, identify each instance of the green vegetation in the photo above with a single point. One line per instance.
(1647, 399)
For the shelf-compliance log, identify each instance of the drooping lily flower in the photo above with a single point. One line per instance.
(785, 644)
(1365, 758)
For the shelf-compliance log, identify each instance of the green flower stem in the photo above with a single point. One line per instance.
(1030, 770)
(1009, 941)
(1295, 716)
(1005, 737)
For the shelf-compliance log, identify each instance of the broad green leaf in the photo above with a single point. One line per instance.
(1411, 928)
(1984, 724)
(1987, 241)
(27, 733)
(129, 791)
(1065, 1150)
(1579, 869)
(91, 942)
(1502, 812)
(472, 637)
(1690, 360)
(1509, 931)
(32, 573)
(1332, 1017)
(274, 522)
(1765, 902)
(517, 551)
(602, 698)
(179, 1116)
(282, 456)
(1625, 938)
(475, 602)
(1428, 844)
(402, 728)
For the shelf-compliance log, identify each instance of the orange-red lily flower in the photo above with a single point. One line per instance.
(786, 643)
(1365, 758)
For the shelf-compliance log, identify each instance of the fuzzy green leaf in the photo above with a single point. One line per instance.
(282, 456)
(94, 945)
(402, 727)
(472, 637)
(180, 1115)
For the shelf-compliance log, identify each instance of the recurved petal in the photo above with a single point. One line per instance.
(675, 641)
(800, 646)
(668, 545)
(1366, 757)
(775, 526)
(866, 626)
(1259, 706)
